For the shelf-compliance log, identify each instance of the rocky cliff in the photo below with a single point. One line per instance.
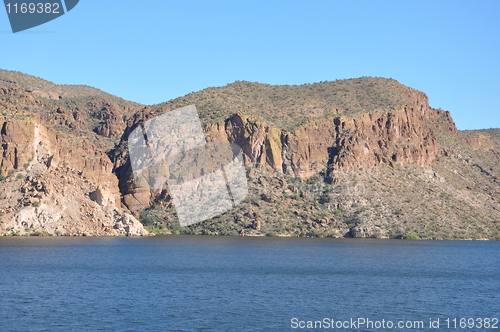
(365, 157)
(55, 181)
(345, 142)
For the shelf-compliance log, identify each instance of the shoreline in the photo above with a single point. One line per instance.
(5, 235)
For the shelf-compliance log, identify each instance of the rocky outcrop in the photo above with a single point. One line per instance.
(302, 152)
(17, 152)
(480, 141)
(393, 137)
(58, 184)
(111, 116)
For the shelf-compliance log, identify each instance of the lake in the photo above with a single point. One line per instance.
(204, 283)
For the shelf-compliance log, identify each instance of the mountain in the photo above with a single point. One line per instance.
(364, 157)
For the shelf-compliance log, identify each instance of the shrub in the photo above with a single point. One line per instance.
(411, 237)
(148, 220)
(324, 198)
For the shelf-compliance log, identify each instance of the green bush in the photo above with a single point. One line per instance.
(148, 220)
(411, 237)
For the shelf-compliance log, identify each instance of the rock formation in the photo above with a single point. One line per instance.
(58, 184)
(364, 157)
(346, 142)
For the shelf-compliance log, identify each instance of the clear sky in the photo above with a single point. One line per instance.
(156, 50)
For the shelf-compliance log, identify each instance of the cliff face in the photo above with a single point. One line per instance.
(336, 143)
(58, 184)
(348, 142)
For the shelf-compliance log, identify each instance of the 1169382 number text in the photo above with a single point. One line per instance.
(33, 8)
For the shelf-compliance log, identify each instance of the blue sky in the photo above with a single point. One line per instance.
(156, 50)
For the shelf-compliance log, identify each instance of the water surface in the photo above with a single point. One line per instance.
(192, 283)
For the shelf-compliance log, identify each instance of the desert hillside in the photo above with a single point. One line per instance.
(364, 157)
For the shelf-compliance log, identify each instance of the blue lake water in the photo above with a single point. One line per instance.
(203, 283)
